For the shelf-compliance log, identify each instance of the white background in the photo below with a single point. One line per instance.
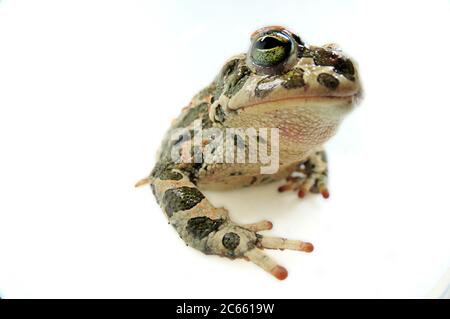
(88, 88)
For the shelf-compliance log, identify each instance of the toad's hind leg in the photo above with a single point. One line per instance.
(210, 230)
(310, 175)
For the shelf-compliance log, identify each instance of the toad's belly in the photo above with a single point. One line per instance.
(232, 176)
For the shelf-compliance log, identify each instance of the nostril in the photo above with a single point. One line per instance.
(231, 240)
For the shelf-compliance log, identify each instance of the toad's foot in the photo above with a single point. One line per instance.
(236, 241)
(210, 230)
(310, 176)
(259, 258)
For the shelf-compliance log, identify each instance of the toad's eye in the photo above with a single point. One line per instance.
(271, 49)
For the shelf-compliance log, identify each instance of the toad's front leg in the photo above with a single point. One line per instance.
(310, 175)
(210, 230)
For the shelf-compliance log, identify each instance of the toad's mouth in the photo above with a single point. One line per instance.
(300, 100)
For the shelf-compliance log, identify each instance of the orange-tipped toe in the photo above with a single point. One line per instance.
(279, 272)
(306, 247)
(325, 193)
(301, 193)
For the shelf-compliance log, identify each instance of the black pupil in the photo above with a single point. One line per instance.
(270, 42)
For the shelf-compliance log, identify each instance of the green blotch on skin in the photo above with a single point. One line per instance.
(170, 175)
(226, 71)
(232, 78)
(181, 198)
(200, 227)
(194, 113)
(237, 80)
(328, 81)
(163, 171)
(159, 168)
(293, 79)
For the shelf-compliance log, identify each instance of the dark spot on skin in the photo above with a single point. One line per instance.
(193, 171)
(231, 240)
(309, 167)
(200, 227)
(183, 137)
(293, 79)
(328, 81)
(181, 198)
(178, 140)
(346, 68)
(236, 174)
(220, 114)
(324, 57)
